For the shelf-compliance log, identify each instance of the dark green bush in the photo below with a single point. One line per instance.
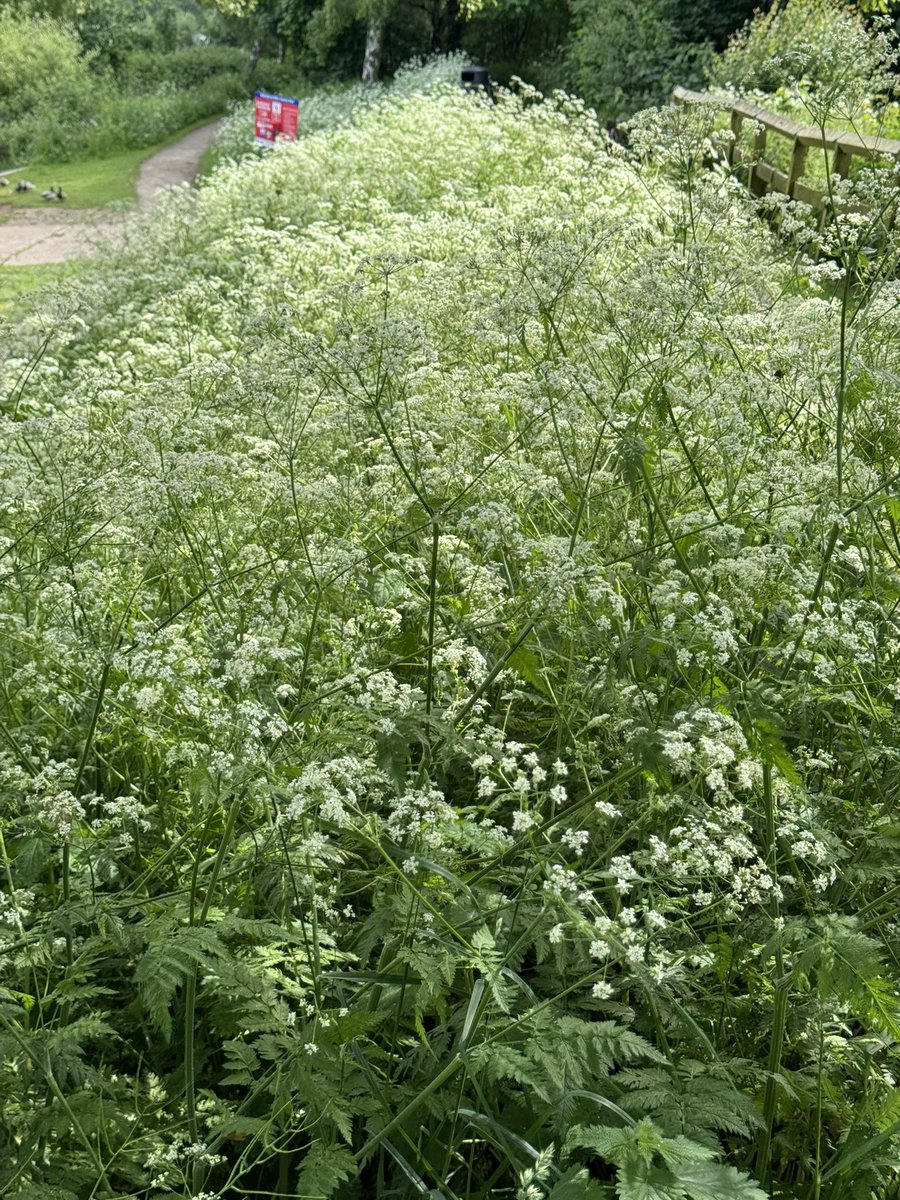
(808, 40)
(628, 54)
(145, 70)
(59, 103)
(281, 77)
(111, 30)
(41, 64)
(114, 122)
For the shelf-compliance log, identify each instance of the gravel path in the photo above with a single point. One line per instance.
(54, 235)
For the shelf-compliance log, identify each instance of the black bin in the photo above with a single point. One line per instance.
(476, 79)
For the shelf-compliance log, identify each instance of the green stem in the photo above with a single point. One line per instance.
(190, 991)
(817, 1182)
(432, 608)
(782, 988)
(679, 554)
(448, 1072)
(842, 383)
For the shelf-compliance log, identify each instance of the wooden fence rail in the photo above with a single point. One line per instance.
(763, 176)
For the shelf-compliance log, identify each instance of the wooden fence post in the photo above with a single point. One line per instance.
(755, 183)
(798, 162)
(841, 163)
(737, 122)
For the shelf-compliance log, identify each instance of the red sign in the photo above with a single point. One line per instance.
(274, 118)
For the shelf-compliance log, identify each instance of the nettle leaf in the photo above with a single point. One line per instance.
(713, 1181)
(773, 750)
(324, 1169)
(654, 1167)
(30, 859)
(617, 1145)
(576, 1184)
(637, 1180)
(526, 664)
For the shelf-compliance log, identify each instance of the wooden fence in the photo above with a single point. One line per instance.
(763, 176)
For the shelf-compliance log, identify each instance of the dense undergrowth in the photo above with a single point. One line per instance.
(449, 684)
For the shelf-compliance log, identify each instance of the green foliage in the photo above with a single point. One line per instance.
(108, 122)
(691, 1100)
(653, 1167)
(41, 65)
(58, 100)
(325, 1168)
(628, 54)
(147, 70)
(823, 43)
(526, 38)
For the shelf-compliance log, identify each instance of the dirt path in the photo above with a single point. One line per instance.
(54, 235)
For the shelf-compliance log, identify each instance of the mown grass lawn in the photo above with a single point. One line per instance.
(90, 183)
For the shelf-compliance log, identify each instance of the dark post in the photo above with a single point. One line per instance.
(476, 79)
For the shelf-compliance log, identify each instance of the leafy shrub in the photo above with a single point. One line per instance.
(54, 107)
(111, 30)
(114, 121)
(282, 78)
(824, 44)
(41, 64)
(627, 54)
(145, 70)
(530, 44)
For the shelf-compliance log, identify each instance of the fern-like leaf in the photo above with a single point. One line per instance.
(324, 1169)
(690, 1101)
(174, 952)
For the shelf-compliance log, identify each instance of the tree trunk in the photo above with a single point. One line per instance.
(255, 53)
(374, 44)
